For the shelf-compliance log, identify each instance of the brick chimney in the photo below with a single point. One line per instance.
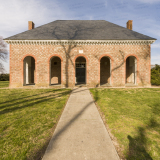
(30, 25)
(129, 24)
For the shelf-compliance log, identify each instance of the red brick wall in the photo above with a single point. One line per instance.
(92, 53)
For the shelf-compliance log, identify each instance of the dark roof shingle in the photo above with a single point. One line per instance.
(80, 30)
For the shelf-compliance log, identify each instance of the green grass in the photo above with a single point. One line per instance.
(4, 84)
(133, 115)
(27, 119)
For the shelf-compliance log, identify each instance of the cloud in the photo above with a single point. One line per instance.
(106, 4)
(154, 31)
(149, 1)
(15, 14)
(155, 59)
(156, 45)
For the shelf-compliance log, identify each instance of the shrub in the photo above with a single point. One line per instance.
(4, 77)
(155, 75)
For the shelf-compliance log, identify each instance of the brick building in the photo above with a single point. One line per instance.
(70, 52)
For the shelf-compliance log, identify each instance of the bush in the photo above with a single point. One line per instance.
(155, 75)
(4, 77)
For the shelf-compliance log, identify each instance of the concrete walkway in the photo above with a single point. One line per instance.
(80, 133)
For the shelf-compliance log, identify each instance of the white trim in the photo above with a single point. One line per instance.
(81, 42)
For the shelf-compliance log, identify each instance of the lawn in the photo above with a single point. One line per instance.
(4, 84)
(27, 121)
(133, 117)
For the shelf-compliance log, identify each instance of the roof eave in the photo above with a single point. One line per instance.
(103, 42)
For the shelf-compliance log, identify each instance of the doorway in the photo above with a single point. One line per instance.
(131, 70)
(80, 70)
(28, 71)
(105, 69)
(55, 70)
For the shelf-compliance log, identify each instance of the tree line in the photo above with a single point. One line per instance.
(4, 77)
(155, 75)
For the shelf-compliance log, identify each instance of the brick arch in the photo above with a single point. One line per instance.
(87, 66)
(80, 55)
(55, 55)
(131, 55)
(105, 55)
(29, 55)
(111, 65)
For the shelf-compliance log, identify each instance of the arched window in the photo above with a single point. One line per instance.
(29, 70)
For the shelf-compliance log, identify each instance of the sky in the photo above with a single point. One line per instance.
(15, 14)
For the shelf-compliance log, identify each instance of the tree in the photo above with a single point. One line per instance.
(3, 53)
(155, 75)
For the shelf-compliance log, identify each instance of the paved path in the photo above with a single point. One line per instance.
(80, 133)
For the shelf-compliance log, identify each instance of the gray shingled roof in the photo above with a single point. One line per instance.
(80, 30)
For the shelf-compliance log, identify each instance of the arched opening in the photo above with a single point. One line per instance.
(80, 70)
(105, 71)
(29, 70)
(55, 70)
(131, 70)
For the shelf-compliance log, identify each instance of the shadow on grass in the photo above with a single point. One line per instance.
(138, 145)
(5, 104)
(65, 127)
(38, 155)
(29, 103)
(41, 151)
(15, 99)
(32, 101)
(96, 95)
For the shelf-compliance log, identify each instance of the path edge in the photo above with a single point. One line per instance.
(111, 136)
(43, 151)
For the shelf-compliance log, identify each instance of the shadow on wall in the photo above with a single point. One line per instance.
(140, 76)
(68, 48)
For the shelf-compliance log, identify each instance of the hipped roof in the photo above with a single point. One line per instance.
(80, 30)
